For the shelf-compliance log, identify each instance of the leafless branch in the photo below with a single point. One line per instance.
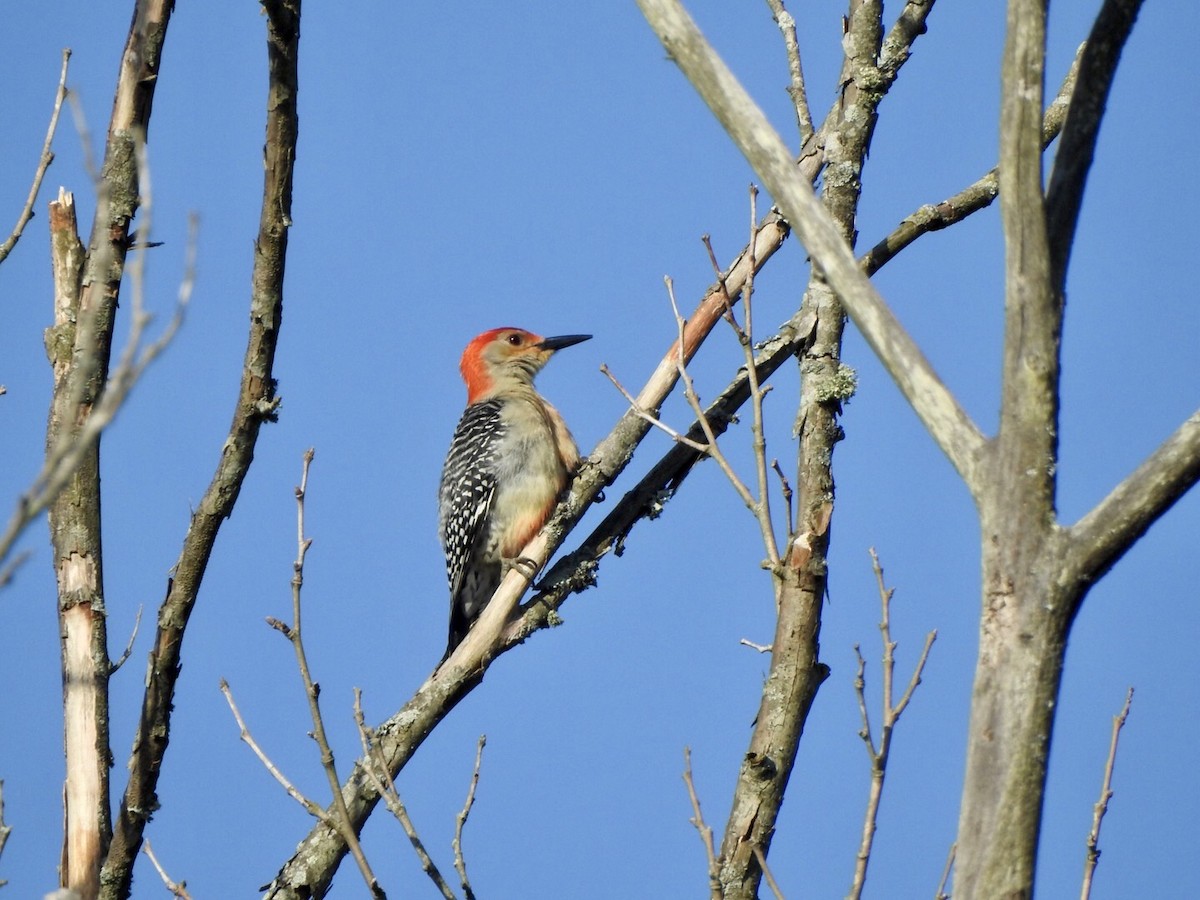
(892, 711)
(689, 392)
(5, 828)
(785, 489)
(177, 888)
(1097, 66)
(1102, 536)
(796, 90)
(381, 781)
(761, 648)
(120, 661)
(702, 828)
(310, 806)
(47, 157)
(1106, 793)
(460, 861)
(745, 336)
(340, 817)
(761, 858)
(650, 417)
(940, 893)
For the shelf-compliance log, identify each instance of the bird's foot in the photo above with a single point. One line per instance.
(522, 564)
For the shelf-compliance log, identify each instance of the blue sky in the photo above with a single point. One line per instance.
(468, 167)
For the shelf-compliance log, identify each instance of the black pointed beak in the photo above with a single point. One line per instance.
(563, 340)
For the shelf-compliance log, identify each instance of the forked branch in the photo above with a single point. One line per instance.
(879, 751)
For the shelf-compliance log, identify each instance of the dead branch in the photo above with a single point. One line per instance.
(5, 828)
(460, 822)
(44, 162)
(381, 782)
(339, 818)
(177, 888)
(878, 752)
(1106, 794)
(702, 828)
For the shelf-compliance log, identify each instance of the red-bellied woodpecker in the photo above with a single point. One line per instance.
(510, 459)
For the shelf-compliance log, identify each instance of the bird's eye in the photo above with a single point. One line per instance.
(514, 339)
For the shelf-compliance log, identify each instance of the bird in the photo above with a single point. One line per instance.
(510, 459)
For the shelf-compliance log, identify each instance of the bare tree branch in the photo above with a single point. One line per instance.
(68, 448)
(381, 781)
(1101, 807)
(1102, 536)
(177, 888)
(5, 828)
(1064, 197)
(702, 827)
(897, 45)
(44, 161)
(312, 807)
(892, 711)
(338, 818)
(761, 859)
(460, 822)
(940, 893)
(796, 90)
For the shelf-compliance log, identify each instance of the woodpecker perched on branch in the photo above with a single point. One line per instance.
(510, 459)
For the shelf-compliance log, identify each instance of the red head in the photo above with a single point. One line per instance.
(508, 356)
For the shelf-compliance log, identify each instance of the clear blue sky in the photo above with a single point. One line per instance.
(462, 167)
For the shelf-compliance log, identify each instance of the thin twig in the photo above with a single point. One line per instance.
(312, 691)
(311, 807)
(940, 893)
(178, 888)
(689, 392)
(137, 622)
(460, 861)
(785, 488)
(5, 828)
(381, 780)
(706, 833)
(1101, 807)
(650, 417)
(892, 711)
(761, 648)
(796, 90)
(762, 509)
(85, 137)
(761, 858)
(46, 158)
